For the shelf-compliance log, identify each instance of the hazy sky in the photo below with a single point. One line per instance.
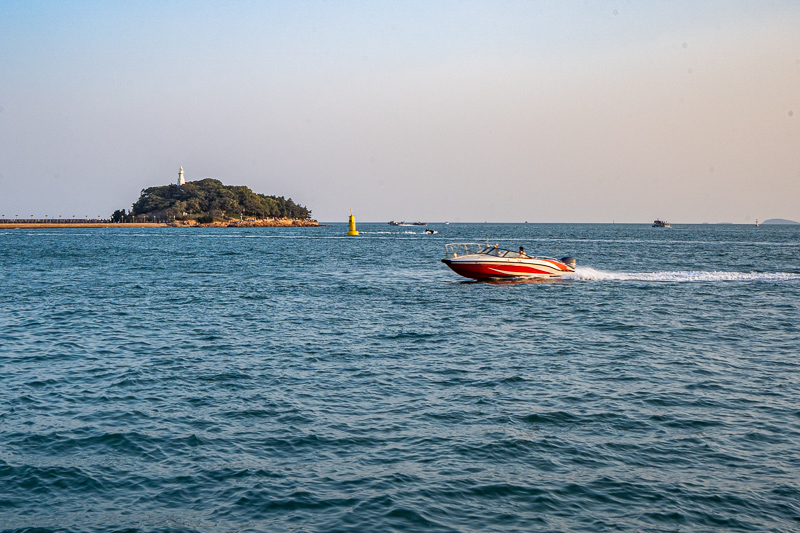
(551, 111)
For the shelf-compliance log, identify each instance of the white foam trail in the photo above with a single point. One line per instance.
(591, 274)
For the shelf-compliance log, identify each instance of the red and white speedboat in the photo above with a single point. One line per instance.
(476, 261)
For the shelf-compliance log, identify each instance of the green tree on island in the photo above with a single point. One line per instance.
(210, 199)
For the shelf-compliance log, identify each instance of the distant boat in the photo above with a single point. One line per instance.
(658, 223)
(757, 224)
(396, 223)
(431, 231)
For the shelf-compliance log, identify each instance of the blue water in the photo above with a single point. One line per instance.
(292, 379)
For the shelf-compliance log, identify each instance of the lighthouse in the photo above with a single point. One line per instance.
(181, 181)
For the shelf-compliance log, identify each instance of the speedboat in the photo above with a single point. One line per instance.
(431, 231)
(658, 223)
(477, 261)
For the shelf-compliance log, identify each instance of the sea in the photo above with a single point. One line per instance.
(298, 380)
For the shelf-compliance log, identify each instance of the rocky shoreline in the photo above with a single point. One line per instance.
(249, 223)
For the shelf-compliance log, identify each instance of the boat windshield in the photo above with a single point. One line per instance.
(472, 248)
(500, 252)
(458, 249)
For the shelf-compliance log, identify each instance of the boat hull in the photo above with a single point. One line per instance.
(500, 268)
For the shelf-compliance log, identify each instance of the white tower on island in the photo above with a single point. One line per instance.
(181, 181)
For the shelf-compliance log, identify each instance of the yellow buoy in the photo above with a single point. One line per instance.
(352, 221)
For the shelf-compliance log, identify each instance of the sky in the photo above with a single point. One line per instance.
(499, 111)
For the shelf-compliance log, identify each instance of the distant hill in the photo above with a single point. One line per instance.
(779, 221)
(209, 199)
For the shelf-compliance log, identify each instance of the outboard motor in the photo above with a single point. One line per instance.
(569, 261)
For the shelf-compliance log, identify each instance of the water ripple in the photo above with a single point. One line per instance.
(275, 380)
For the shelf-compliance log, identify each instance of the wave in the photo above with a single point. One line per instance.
(591, 274)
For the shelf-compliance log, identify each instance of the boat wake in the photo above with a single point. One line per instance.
(591, 274)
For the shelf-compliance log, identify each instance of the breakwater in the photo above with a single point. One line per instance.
(78, 224)
(73, 220)
(105, 223)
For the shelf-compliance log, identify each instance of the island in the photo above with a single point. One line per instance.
(779, 221)
(202, 203)
(209, 203)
